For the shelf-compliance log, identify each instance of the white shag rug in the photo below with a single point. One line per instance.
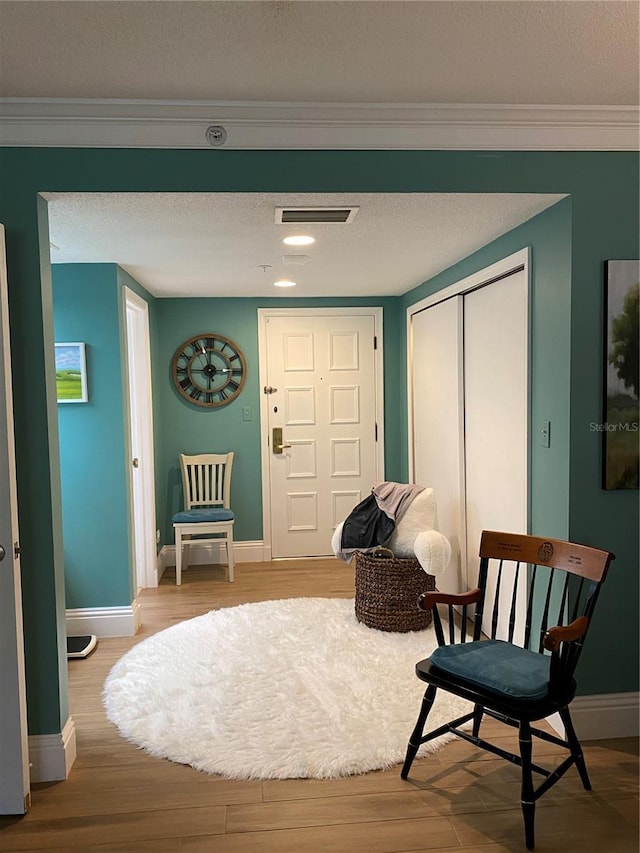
(294, 688)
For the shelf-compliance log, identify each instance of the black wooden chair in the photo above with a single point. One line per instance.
(522, 670)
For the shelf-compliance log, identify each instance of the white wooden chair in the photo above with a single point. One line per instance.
(206, 481)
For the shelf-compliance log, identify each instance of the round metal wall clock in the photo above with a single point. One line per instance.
(209, 370)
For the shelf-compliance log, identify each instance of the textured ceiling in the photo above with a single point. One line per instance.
(476, 52)
(212, 244)
(403, 52)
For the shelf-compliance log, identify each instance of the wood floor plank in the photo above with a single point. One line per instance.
(119, 799)
(460, 773)
(166, 775)
(581, 822)
(163, 845)
(79, 832)
(366, 783)
(374, 837)
(406, 804)
(157, 797)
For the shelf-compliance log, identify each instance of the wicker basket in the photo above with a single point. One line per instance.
(387, 590)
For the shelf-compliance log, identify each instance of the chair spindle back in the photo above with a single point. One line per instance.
(562, 581)
(206, 479)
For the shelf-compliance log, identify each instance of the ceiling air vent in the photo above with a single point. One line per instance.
(307, 215)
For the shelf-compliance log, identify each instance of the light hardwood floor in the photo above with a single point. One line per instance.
(117, 798)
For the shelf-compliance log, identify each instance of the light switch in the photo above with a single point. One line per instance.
(247, 414)
(545, 433)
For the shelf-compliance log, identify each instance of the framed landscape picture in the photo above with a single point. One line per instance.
(71, 373)
(620, 428)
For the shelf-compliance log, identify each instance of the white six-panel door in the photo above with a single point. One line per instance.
(320, 371)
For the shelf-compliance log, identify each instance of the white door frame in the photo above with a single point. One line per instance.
(498, 270)
(143, 506)
(263, 315)
(14, 750)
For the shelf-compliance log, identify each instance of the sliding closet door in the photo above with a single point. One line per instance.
(496, 395)
(436, 357)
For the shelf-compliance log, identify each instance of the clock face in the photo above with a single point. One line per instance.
(209, 370)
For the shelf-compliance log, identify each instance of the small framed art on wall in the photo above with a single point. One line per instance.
(71, 373)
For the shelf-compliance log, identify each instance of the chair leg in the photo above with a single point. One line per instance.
(230, 556)
(527, 793)
(574, 746)
(178, 558)
(414, 740)
(477, 719)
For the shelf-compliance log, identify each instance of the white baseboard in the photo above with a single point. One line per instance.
(51, 756)
(603, 716)
(104, 621)
(205, 554)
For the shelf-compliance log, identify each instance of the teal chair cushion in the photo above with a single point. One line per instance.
(193, 516)
(496, 666)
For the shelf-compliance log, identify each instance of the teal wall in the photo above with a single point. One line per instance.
(93, 437)
(566, 499)
(43, 595)
(88, 305)
(94, 443)
(607, 518)
(549, 236)
(192, 429)
(604, 224)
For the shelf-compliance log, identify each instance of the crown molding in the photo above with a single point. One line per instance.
(54, 122)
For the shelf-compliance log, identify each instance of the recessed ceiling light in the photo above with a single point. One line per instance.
(284, 283)
(299, 240)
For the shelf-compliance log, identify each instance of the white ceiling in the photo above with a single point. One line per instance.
(477, 52)
(422, 52)
(212, 244)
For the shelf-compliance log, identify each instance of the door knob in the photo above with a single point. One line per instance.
(2, 553)
(135, 462)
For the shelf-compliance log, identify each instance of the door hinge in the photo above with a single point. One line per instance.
(375, 342)
(376, 432)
